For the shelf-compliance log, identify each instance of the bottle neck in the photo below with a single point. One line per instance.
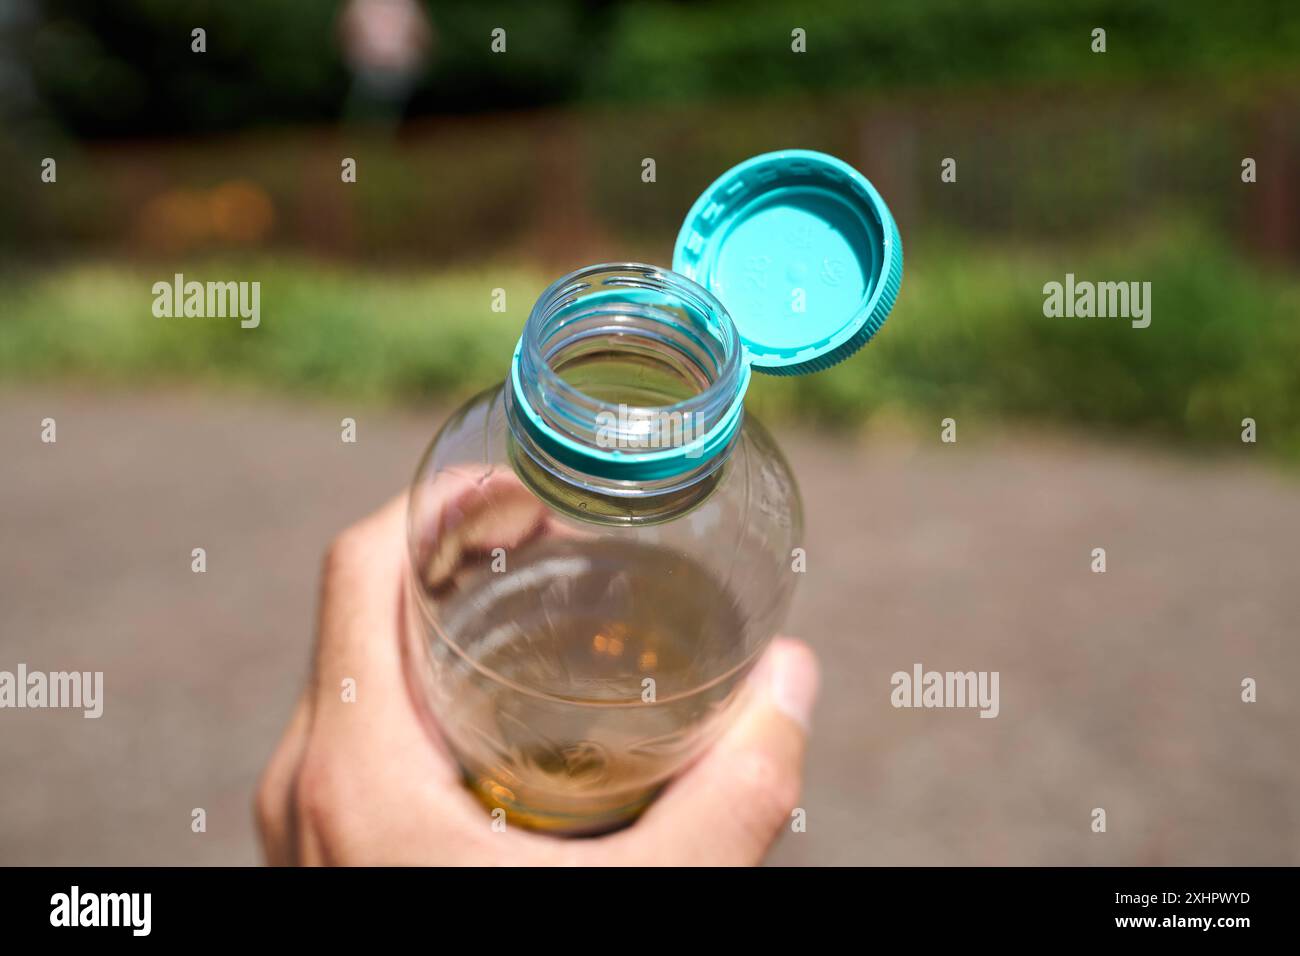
(628, 382)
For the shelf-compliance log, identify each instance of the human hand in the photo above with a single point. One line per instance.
(366, 783)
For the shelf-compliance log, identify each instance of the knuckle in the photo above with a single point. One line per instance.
(267, 804)
(344, 552)
(266, 818)
(316, 798)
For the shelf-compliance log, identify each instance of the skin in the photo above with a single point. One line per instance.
(370, 783)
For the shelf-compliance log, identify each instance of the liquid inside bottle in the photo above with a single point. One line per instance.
(587, 676)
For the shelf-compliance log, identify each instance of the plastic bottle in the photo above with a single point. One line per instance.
(602, 546)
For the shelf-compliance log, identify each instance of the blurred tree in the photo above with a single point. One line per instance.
(126, 68)
(740, 48)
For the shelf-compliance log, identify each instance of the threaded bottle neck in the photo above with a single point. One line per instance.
(628, 380)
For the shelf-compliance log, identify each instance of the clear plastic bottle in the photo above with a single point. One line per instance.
(602, 546)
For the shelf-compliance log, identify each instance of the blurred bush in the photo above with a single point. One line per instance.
(968, 337)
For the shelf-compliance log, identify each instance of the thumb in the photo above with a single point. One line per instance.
(728, 809)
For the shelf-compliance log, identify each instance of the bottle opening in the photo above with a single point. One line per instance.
(621, 370)
(628, 381)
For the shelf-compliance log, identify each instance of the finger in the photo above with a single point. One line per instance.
(360, 605)
(470, 514)
(736, 799)
(274, 807)
(361, 693)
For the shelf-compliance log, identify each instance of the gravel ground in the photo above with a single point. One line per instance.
(1119, 690)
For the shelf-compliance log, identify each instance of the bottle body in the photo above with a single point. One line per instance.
(578, 648)
(602, 547)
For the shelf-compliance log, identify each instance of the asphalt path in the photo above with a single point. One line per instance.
(1119, 690)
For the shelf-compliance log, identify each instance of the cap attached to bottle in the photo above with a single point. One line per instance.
(794, 249)
(802, 251)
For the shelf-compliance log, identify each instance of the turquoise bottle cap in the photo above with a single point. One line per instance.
(802, 251)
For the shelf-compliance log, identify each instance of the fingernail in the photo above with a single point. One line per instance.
(794, 684)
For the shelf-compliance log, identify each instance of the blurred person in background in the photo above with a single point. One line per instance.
(385, 44)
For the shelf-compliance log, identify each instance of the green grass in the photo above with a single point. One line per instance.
(967, 338)
(323, 330)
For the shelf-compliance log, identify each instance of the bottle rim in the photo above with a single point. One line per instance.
(580, 436)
